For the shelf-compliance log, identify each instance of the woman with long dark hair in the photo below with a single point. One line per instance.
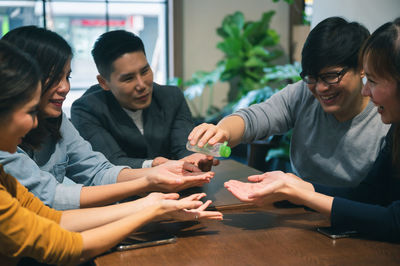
(55, 151)
(30, 229)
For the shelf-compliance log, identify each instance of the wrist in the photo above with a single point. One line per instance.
(296, 194)
(159, 209)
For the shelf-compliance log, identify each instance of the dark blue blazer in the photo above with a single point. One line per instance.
(167, 123)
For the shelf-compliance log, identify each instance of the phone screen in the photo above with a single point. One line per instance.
(336, 233)
(145, 240)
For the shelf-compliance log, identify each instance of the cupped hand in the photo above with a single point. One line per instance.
(267, 188)
(189, 208)
(202, 161)
(174, 176)
(207, 133)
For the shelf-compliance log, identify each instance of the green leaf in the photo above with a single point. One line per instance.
(258, 51)
(266, 20)
(254, 75)
(232, 31)
(226, 75)
(221, 32)
(233, 64)
(231, 47)
(238, 19)
(254, 62)
(249, 29)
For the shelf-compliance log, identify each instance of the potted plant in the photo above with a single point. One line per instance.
(250, 48)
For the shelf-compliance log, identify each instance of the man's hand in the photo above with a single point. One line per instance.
(202, 161)
(174, 176)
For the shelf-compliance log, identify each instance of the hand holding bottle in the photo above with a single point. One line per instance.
(217, 150)
(207, 133)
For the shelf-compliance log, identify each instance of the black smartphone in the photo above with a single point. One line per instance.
(336, 233)
(145, 240)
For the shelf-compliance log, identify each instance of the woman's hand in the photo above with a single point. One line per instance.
(269, 187)
(176, 175)
(207, 133)
(188, 208)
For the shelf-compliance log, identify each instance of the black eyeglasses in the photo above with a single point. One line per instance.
(329, 78)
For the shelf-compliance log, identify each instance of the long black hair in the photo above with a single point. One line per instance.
(52, 53)
(382, 52)
(19, 79)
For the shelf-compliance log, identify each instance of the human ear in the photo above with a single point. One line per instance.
(102, 82)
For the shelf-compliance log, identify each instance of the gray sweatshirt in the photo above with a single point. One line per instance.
(323, 150)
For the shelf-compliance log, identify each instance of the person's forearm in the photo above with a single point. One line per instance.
(79, 220)
(314, 200)
(235, 127)
(101, 239)
(94, 196)
(131, 174)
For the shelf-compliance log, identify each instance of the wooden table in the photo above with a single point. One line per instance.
(251, 236)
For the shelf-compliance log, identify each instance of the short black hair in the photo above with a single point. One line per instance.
(112, 45)
(333, 42)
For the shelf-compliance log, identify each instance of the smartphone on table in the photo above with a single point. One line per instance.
(145, 240)
(336, 233)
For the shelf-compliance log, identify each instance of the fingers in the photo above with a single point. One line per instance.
(237, 190)
(233, 183)
(185, 204)
(213, 215)
(198, 176)
(172, 196)
(173, 182)
(205, 205)
(239, 194)
(256, 178)
(266, 190)
(197, 132)
(190, 167)
(159, 160)
(206, 133)
(219, 136)
(201, 213)
(196, 196)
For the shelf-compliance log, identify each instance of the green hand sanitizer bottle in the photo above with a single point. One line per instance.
(217, 150)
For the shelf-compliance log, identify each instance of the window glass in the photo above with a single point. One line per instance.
(81, 22)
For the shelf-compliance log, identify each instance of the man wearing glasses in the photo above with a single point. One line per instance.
(337, 133)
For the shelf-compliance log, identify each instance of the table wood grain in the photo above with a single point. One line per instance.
(253, 236)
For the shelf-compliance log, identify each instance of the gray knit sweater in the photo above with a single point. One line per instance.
(322, 150)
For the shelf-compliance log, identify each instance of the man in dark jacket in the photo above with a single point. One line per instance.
(129, 118)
